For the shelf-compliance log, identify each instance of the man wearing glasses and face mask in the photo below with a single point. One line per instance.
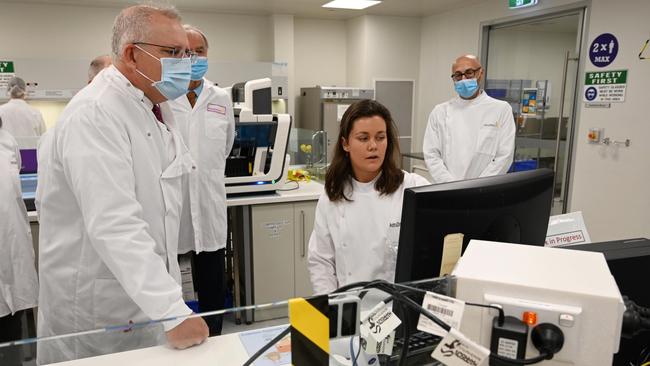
(109, 199)
(472, 135)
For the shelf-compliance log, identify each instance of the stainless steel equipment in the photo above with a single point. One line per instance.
(321, 108)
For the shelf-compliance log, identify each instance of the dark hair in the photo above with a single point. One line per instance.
(340, 174)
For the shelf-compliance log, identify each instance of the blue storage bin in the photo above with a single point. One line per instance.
(523, 165)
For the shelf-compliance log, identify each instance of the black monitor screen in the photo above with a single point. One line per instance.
(512, 208)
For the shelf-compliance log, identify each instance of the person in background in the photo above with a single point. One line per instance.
(20, 119)
(206, 120)
(98, 64)
(356, 230)
(110, 200)
(18, 281)
(471, 135)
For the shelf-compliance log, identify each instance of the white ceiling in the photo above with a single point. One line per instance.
(301, 8)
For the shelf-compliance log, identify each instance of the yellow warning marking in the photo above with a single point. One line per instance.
(310, 322)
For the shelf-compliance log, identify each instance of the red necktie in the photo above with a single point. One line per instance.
(158, 113)
(191, 97)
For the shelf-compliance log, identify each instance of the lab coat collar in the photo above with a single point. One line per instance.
(365, 187)
(113, 74)
(199, 88)
(206, 94)
(467, 102)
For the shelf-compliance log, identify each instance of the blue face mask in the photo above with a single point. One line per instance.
(466, 87)
(199, 68)
(175, 76)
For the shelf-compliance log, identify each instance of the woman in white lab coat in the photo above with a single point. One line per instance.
(21, 119)
(356, 230)
(18, 282)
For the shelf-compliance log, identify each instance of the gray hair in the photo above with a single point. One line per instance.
(17, 87)
(132, 24)
(189, 27)
(98, 64)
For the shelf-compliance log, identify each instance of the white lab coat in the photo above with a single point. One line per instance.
(357, 241)
(18, 281)
(467, 139)
(21, 119)
(110, 201)
(208, 130)
(9, 145)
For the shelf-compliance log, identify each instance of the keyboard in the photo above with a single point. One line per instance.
(420, 347)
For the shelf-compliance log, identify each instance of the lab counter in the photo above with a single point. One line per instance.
(221, 350)
(307, 191)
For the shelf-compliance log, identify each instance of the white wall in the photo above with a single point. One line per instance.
(609, 185)
(60, 31)
(357, 51)
(392, 49)
(320, 54)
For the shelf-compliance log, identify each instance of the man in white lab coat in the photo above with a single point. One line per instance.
(110, 199)
(206, 121)
(471, 135)
(18, 281)
(20, 119)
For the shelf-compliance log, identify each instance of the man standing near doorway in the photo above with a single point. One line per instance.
(472, 135)
(206, 121)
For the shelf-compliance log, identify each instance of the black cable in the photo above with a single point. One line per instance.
(500, 309)
(387, 287)
(267, 346)
(502, 316)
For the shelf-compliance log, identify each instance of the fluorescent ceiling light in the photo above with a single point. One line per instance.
(351, 4)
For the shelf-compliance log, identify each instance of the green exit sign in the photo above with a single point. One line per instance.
(518, 4)
(6, 67)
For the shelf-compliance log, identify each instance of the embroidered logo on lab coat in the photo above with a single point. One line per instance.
(216, 108)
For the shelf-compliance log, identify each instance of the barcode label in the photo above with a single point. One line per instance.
(445, 308)
(440, 310)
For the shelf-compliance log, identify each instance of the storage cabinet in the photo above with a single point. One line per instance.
(280, 239)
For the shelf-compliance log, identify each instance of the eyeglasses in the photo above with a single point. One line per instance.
(469, 74)
(173, 51)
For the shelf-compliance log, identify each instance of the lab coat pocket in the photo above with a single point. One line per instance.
(112, 305)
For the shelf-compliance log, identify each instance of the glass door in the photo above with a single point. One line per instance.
(533, 64)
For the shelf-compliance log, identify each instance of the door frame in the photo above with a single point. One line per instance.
(582, 8)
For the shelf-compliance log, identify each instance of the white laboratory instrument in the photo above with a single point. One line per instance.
(572, 290)
(257, 162)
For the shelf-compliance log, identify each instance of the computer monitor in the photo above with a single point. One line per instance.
(29, 161)
(512, 208)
